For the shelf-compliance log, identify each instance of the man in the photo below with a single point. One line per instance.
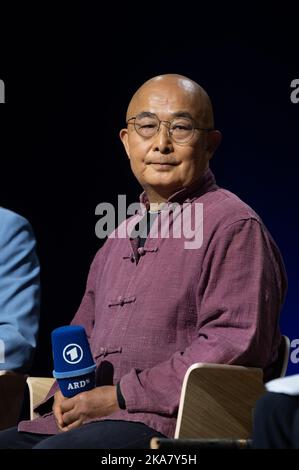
(155, 305)
(19, 292)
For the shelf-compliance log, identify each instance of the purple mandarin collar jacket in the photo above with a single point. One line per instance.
(150, 315)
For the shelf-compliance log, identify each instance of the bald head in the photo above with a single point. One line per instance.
(160, 89)
(161, 162)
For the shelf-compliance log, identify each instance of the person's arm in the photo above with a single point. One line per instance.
(240, 293)
(70, 413)
(84, 317)
(19, 292)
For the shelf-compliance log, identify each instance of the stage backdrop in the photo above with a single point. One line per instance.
(67, 86)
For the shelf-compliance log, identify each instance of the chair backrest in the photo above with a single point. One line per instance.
(38, 389)
(217, 400)
(281, 364)
(286, 355)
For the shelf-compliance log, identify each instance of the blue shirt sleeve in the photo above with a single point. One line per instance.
(19, 292)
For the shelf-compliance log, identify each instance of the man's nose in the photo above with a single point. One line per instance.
(163, 141)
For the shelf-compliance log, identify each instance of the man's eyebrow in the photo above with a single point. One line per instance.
(185, 114)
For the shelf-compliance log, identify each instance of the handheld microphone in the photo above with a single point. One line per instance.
(74, 367)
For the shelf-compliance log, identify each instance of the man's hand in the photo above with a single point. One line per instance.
(58, 399)
(71, 413)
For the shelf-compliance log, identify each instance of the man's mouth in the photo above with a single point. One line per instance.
(162, 163)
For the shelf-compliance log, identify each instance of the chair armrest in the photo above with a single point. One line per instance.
(38, 390)
(217, 401)
(12, 386)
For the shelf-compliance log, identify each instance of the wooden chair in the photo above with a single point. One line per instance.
(38, 389)
(217, 402)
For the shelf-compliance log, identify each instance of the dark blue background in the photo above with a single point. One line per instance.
(68, 83)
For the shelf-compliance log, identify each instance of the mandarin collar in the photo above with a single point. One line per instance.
(205, 184)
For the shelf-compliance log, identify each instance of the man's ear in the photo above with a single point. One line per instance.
(123, 134)
(213, 141)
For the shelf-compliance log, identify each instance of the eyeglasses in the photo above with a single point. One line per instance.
(180, 129)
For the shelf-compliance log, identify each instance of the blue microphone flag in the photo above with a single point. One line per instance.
(74, 367)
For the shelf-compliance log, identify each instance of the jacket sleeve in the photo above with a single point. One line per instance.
(240, 291)
(84, 317)
(19, 293)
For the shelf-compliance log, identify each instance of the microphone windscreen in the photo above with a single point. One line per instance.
(74, 367)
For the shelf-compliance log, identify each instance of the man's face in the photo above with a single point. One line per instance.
(159, 163)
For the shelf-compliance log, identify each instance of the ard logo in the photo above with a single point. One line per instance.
(72, 353)
(2, 94)
(78, 384)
